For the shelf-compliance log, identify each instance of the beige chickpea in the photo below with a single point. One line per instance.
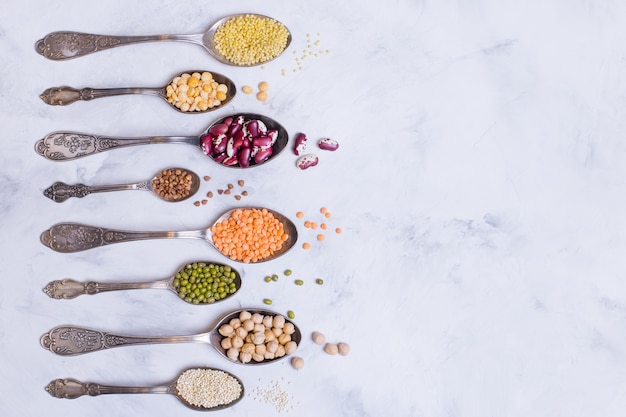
(241, 332)
(226, 330)
(257, 358)
(290, 347)
(277, 331)
(269, 335)
(343, 348)
(289, 328)
(284, 339)
(257, 318)
(247, 348)
(260, 349)
(259, 327)
(331, 348)
(297, 363)
(272, 346)
(236, 323)
(267, 321)
(226, 343)
(248, 325)
(233, 354)
(280, 352)
(248, 338)
(258, 338)
(278, 321)
(245, 357)
(318, 338)
(269, 355)
(244, 315)
(236, 342)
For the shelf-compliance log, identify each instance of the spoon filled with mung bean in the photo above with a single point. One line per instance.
(240, 140)
(248, 235)
(200, 283)
(202, 389)
(171, 185)
(245, 336)
(188, 92)
(243, 39)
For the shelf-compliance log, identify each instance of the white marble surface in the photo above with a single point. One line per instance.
(480, 185)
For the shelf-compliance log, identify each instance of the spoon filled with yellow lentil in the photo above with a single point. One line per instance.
(243, 39)
(171, 185)
(188, 92)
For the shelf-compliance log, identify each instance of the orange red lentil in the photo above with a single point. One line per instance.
(249, 235)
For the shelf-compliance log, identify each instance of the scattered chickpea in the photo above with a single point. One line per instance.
(331, 348)
(343, 348)
(261, 96)
(297, 363)
(318, 338)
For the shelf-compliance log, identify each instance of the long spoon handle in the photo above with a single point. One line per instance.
(60, 191)
(65, 146)
(71, 388)
(75, 237)
(59, 46)
(62, 96)
(68, 288)
(72, 340)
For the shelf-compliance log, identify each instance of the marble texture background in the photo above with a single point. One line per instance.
(480, 184)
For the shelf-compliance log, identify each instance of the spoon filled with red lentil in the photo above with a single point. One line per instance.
(202, 389)
(247, 235)
(171, 185)
(243, 39)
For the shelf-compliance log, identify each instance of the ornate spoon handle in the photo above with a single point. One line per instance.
(64, 146)
(75, 237)
(69, 288)
(62, 96)
(70, 340)
(71, 388)
(60, 191)
(60, 46)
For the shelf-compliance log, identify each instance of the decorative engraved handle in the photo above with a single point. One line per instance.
(74, 237)
(59, 191)
(62, 96)
(64, 146)
(69, 288)
(71, 388)
(60, 46)
(70, 340)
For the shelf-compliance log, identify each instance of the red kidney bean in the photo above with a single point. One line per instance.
(262, 154)
(207, 144)
(244, 157)
(251, 128)
(219, 129)
(219, 144)
(307, 161)
(262, 141)
(228, 121)
(220, 157)
(328, 144)
(230, 161)
(299, 144)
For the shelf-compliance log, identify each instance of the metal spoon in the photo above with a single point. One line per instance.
(69, 288)
(62, 96)
(75, 237)
(59, 191)
(72, 340)
(66, 45)
(65, 146)
(70, 388)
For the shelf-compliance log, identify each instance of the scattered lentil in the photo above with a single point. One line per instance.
(323, 226)
(321, 237)
(299, 214)
(207, 178)
(208, 388)
(250, 39)
(306, 246)
(338, 230)
(196, 203)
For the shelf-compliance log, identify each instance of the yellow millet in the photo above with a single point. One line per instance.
(250, 40)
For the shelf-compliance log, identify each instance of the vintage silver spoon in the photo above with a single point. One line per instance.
(59, 191)
(70, 388)
(68, 288)
(67, 45)
(62, 96)
(65, 146)
(73, 340)
(75, 237)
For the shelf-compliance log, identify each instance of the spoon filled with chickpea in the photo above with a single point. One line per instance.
(243, 39)
(189, 92)
(190, 387)
(247, 235)
(171, 185)
(246, 336)
(240, 140)
(199, 283)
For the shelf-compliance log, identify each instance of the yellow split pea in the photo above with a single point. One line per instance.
(196, 92)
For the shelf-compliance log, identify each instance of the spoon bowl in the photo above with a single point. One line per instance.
(60, 192)
(68, 288)
(75, 237)
(65, 146)
(73, 340)
(67, 45)
(62, 96)
(69, 388)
